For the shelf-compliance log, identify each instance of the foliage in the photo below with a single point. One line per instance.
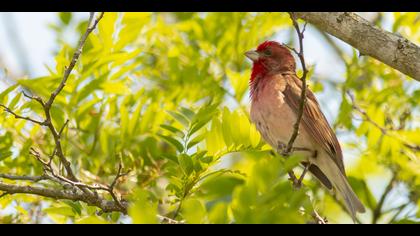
(167, 92)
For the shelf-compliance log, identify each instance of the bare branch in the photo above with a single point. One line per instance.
(114, 182)
(34, 97)
(318, 219)
(63, 127)
(79, 191)
(23, 177)
(303, 79)
(167, 220)
(377, 212)
(48, 121)
(22, 117)
(383, 130)
(289, 148)
(297, 182)
(399, 209)
(67, 72)
(73, 194)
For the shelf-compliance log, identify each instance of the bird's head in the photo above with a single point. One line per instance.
(270, 56)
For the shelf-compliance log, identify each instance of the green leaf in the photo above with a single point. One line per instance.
(179, 117)
(193, 211)
(196, 140)
(239, 82)
(118, 88)
(178, 145)
(4, 94)
(91, 220)
(218, 214)
(65, 211)
(76, 206)
(198, 125)
(187, 113)
(207, 159)
(186, 164)
(65, 17)
(143, 211)
(173, 130)
(218, 186)
(345, 113)
(293, 161)
(170, 156)
(5, 154)
(14, 101)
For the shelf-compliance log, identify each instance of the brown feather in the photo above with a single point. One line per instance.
(313, 120)
(319, 175)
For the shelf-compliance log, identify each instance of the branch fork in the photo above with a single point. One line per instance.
(79, 191)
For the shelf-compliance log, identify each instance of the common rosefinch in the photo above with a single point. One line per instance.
(276, 95)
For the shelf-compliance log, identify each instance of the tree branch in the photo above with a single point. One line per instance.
(297, 182)
(318, 219)
(289, 147)
(299, 53)
(377, 212)
(73, 194)
(383, 130)
(389, 48)
(8, 110)
(47, 106)
(399, 209)
(23, 177)
(91, 26)
(79, 191)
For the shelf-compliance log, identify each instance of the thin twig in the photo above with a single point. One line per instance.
(75, 57)
(83, 186)
(23, 177)
(318, 219)
(63, 127)
(377, 212)
(399, 210)
(48, 121)
(114, 182)
(383, 130)
(73, 195)
(34, 97)
(79, 191)
(167, 220)
(300, 54)
(22, 117)
(288, 149)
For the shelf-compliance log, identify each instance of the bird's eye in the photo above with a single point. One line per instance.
(267, 52)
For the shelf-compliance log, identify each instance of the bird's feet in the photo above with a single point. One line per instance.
(295, 181)
(282, 150)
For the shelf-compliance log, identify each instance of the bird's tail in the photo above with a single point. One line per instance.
(343, 187)
(351, 201)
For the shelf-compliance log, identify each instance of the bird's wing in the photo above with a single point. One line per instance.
(313, 120)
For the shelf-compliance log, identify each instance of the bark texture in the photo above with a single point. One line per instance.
(389, 48)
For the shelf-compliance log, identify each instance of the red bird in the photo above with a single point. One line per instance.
(275, 97)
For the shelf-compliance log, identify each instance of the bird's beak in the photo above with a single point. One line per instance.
(253, 55)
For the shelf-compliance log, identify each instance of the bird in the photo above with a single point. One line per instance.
(275, 94)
